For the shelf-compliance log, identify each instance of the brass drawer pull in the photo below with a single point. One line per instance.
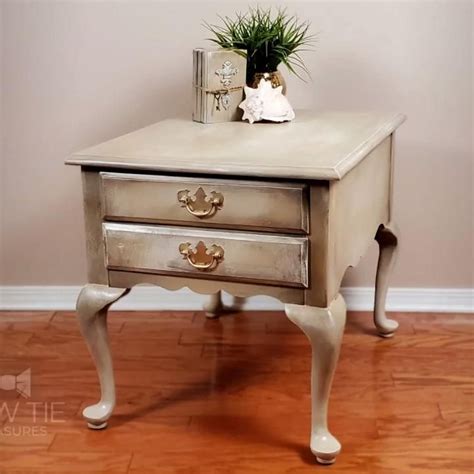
(201, 258)
(200, 205)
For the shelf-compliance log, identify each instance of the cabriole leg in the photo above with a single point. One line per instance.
(324, 328)
(387, 239)
(213, 306)
(92, 306)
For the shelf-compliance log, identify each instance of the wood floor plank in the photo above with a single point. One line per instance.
(66, 322)
(19, 437)
(18, 320)
(36, 462)
(153, 318)
(238, 335)
(232, 396)
(193, 402)
(12, 343)
(456, 326)
(246, 319)
(429, 377)
(459, 407)
(414, 427)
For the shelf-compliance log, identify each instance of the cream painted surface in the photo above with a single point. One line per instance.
(324, 328)
(92, 306)
(95, 248)
(244, 204)
(250, 257)
(122, 279)
(340, 231)
(388, 249)
(340, 228)
(358, 204)
(315, 145)
(213, 305)
(67, 85)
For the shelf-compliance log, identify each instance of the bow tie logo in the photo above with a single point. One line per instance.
(21, 383)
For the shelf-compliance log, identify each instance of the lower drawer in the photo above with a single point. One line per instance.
(233, 256)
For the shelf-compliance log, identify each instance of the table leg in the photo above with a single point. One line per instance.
(213, 306)
(92, 306)
(387, 239)
(324, 328)
(238, 303)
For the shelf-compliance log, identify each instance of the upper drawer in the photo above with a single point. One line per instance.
(196, 201)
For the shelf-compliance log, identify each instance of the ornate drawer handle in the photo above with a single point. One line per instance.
(202, 258)
(200, 205)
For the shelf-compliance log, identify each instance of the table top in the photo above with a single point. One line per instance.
(316, 145)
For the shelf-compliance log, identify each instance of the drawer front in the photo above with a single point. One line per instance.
(205, 202)
(234, 256)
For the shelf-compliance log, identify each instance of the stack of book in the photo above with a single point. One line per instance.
(218, 83)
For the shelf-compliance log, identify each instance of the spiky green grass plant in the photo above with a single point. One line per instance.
(269, 39)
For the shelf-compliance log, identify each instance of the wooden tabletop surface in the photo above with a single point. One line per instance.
(316, 145)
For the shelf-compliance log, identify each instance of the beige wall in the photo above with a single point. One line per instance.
(77, 73)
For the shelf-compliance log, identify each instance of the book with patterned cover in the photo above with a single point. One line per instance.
(218, 82)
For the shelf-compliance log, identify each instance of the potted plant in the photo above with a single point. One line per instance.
(269, 41)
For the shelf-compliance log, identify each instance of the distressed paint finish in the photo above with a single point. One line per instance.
(248, 205)
(387, 238)
(324, 328)
(247, 257)
(95, 249)
(92, 305)
(358, 204)
(213, 306)
(327, 194)
(206, 286)
(316, 145)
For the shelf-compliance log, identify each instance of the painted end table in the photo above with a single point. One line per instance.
(265, 209)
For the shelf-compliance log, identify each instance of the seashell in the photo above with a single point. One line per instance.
(266, 103)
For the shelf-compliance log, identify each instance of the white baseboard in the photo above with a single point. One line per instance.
(48, 298)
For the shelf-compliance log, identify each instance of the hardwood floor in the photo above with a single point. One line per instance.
(231, 396)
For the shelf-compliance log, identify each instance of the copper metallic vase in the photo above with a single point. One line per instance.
(275, 77)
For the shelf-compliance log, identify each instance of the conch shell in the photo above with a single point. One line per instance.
(266, 103)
